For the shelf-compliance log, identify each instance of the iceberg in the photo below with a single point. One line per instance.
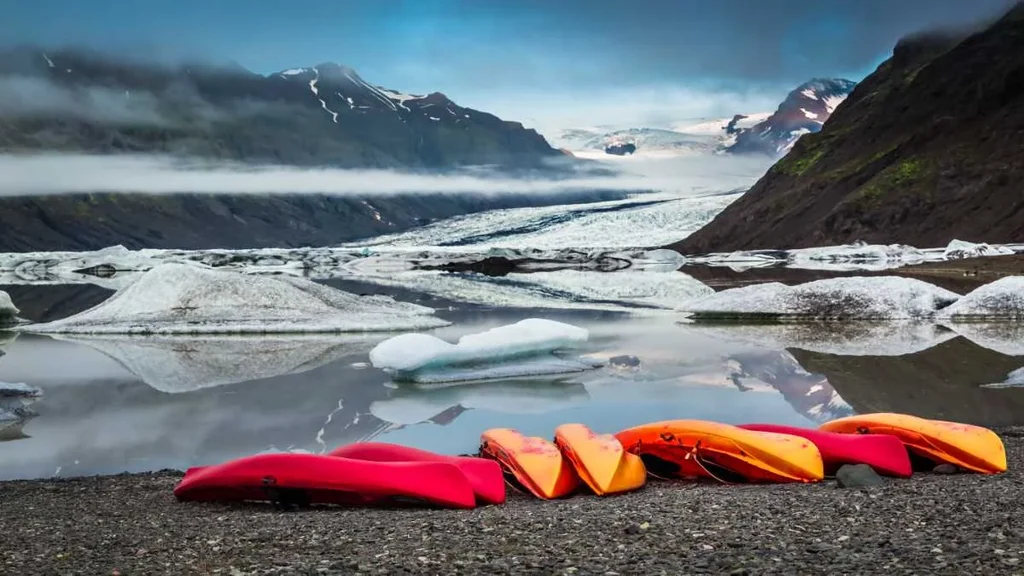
(527, 347)
(1001, 299)
(175, 298)
(847, 298)
(962, 249)
(8, 311)
(177, 364)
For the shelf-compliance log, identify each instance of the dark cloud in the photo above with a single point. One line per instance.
(753, 40)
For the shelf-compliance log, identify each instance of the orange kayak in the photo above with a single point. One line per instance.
(703, 449)
(535, 463)
(963, 445)
(599, 460)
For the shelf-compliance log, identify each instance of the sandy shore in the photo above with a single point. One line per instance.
(131, 524)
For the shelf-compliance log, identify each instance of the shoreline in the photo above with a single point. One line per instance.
(131, 523)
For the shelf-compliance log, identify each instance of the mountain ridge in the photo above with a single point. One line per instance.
(927, 148)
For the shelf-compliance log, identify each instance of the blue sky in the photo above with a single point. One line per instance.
(569, 62)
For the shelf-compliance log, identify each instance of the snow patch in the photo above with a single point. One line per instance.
(191, 299)
(833, 102)
(858, 297)
(809, 93)
(48, 61)
(809, 114)
(523, 348)
(293, 71)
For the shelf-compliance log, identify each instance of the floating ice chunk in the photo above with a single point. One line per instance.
(174, 364)
(1002, 299)
(8, 311)
(855, 297)
(963, 249)
(190, 299)
(523, 348)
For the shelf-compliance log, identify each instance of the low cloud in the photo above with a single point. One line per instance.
(175, 104)
(48, 174)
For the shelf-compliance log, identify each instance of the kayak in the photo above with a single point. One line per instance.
(885, 454)
(599, 460)
(703, 449)
(965, 446)
(304, 479)
(535, 463)
(484, 475)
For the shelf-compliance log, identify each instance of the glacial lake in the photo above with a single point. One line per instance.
(116, 404)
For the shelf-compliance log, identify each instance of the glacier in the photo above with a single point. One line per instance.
(175, 298)
(856, 297)
(527, 348)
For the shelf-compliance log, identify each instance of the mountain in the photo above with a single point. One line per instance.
(803, 111)
(77, 101)
(325, 115)
(927, 148)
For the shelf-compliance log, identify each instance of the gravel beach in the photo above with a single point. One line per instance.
(131, 524)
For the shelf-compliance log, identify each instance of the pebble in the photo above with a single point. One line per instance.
(755, 529)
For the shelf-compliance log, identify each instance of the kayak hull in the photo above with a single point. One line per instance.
(966, 446)
(600, 460)
(704, 449)
(317, 479)
(536, 463)
(484, 475)
(885, 454)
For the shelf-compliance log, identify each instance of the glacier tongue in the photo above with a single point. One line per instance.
(524, 348)
(192, 299)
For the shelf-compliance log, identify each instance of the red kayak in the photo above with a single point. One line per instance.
(484, 475)
(304, 479)
(885, 454)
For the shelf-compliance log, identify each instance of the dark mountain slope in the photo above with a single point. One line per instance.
(324, 116)
(928, 148)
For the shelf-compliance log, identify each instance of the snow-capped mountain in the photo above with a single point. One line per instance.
(803, 111)
(325, 115)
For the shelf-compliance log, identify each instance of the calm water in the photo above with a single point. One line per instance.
(112, 405)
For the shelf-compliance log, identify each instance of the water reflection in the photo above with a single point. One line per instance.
(133, 404)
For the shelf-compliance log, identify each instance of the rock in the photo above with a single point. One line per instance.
(857, 476)
(945, 469)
